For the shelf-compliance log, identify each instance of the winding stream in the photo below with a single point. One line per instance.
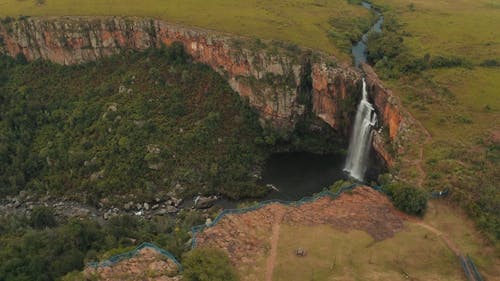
(358, 50)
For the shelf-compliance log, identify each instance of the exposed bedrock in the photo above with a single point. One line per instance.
(282, 82)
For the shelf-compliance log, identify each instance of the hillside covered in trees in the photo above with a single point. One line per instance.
(149, 122)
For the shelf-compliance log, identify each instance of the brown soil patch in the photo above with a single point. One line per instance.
(248, 236)
(271, 260)
(147, 265)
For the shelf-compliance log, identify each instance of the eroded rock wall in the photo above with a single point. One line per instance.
(268, 76)
(271, 76)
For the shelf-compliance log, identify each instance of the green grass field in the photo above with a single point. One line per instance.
(304, 22)
(336, 255)
(455, 224)
(459, 106)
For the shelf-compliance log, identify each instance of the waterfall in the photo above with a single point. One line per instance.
(361, 138)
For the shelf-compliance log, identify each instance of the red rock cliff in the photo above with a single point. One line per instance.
(268, 76)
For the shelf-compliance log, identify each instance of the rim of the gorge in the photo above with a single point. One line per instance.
(281, 81)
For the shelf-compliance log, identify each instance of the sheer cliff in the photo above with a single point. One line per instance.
(280, 80)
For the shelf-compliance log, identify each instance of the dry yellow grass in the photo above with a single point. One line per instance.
(335, 255)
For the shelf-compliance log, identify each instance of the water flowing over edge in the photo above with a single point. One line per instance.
(361, 138)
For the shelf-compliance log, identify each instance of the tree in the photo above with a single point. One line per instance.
(208, 264)
(42, 217)
(408, 199)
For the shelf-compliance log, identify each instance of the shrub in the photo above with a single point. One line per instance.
(451, 61)
(42, 217)
(490, 63)
(176, 53)
(208, 264)
(408, 199)
(338, 185)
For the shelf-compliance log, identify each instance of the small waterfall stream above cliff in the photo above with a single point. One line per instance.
(361, 138)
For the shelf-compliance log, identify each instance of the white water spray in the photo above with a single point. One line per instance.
(361, 138)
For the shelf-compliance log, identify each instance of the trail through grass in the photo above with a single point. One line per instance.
(335, 255)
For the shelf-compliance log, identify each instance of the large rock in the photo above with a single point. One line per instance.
(201, 202)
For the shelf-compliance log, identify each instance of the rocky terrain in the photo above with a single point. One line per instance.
(147, 265)
(244, 236)
(24, 203)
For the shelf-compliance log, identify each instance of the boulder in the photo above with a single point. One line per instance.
(202, 202)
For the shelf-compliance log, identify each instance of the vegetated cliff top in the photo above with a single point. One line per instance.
(303, 22)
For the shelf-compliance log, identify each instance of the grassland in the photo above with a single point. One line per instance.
(459, 106)
(460, 230)
(335, 255)
(304, 22)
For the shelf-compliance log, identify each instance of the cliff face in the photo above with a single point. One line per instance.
(273, 77)
(389, 140)
(269, 76)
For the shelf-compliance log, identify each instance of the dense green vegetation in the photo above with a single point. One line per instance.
(40, 254)
(136, 124)
(347, 29)
(208, 264)
(151, 122)
(392, 58)
(408, 199)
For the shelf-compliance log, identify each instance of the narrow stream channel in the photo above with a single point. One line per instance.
(359, 50)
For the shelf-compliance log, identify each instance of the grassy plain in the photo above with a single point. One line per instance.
(460, 230)
(336, 255)
(459, 106)
(304, 22)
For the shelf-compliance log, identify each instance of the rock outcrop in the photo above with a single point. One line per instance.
(391, 139)
(147, 264)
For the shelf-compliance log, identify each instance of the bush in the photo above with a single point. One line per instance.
(42, 217)
(408, 199)
(451, 61)
(490, 63)
(338, 185)
(208, 265)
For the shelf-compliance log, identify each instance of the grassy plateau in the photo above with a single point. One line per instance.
(458, 103)
(304, 22)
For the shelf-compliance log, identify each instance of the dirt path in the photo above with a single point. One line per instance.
(271, 260)
(453, 247)
(419, 162)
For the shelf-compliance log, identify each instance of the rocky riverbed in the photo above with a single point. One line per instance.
(23, 204)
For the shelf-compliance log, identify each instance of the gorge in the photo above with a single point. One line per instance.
(282, 82)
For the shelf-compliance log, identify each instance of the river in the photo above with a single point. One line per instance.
(359, 49)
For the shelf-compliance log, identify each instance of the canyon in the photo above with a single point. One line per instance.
(281, 81)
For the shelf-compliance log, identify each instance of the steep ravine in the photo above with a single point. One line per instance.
(274, 77)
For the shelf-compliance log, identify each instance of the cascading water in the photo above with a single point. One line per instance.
(361, 138)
